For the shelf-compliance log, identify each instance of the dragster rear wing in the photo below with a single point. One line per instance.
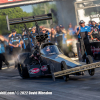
(27, 19)
(75, 70)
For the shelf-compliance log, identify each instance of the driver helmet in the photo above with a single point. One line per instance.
(47, 49)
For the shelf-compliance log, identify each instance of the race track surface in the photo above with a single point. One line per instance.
(77, 88)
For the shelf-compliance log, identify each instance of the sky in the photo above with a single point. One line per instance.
(27, 8)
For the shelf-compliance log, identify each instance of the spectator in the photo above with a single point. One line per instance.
(53, 36)
(59, 38)
(70, 29)
(58, 30)
(95, 30)
(90, 23)
(44, 31)
(64, 43)
(33, 30)
(62, 29)
(99, 28)
(33, 35)
(75, 29)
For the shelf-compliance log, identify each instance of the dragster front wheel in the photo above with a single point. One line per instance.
(23, 71)
(89, 60)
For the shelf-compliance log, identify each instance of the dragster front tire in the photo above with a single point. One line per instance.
(23, 71)
(89, 60)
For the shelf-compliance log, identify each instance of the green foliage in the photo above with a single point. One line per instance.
(16, 12)
(44, 8)
(2, 24)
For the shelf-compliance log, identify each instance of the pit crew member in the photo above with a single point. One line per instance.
(2, 52)
(26, 42)
(95, 33)
(83, 32)
(14, 43)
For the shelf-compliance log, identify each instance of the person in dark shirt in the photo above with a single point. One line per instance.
(26, 42)
(2, 52)
(45, 33)
(14, 43)
(95, 33)
(33, 35)
(53, 36)
(90, 23)
(59, 37)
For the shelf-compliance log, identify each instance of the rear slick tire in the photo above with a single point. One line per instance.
(89, 60)
(64, 67)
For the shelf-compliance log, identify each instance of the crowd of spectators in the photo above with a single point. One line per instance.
(67, 33)
(60, 36)
(53, 32)
(64, 38)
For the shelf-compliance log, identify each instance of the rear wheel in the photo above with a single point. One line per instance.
(52, 70)
(64, 67)
(89, 60)
(23, 71)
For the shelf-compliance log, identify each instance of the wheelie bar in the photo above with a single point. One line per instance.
(76, 69)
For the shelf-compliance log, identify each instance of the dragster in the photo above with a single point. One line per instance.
(46, 59)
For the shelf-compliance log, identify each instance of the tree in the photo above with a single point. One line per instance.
(16, 12)
(44, 8)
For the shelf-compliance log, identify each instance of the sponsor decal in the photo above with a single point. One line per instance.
(34, 70)
(95, 50)
(44, 68)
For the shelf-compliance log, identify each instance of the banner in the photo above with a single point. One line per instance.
(16, 3)
(9, 1)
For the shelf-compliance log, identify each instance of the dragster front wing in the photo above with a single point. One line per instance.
(75, 70)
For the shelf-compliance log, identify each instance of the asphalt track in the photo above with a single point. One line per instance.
(77, 88)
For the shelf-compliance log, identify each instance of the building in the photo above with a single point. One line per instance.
(72, 11)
